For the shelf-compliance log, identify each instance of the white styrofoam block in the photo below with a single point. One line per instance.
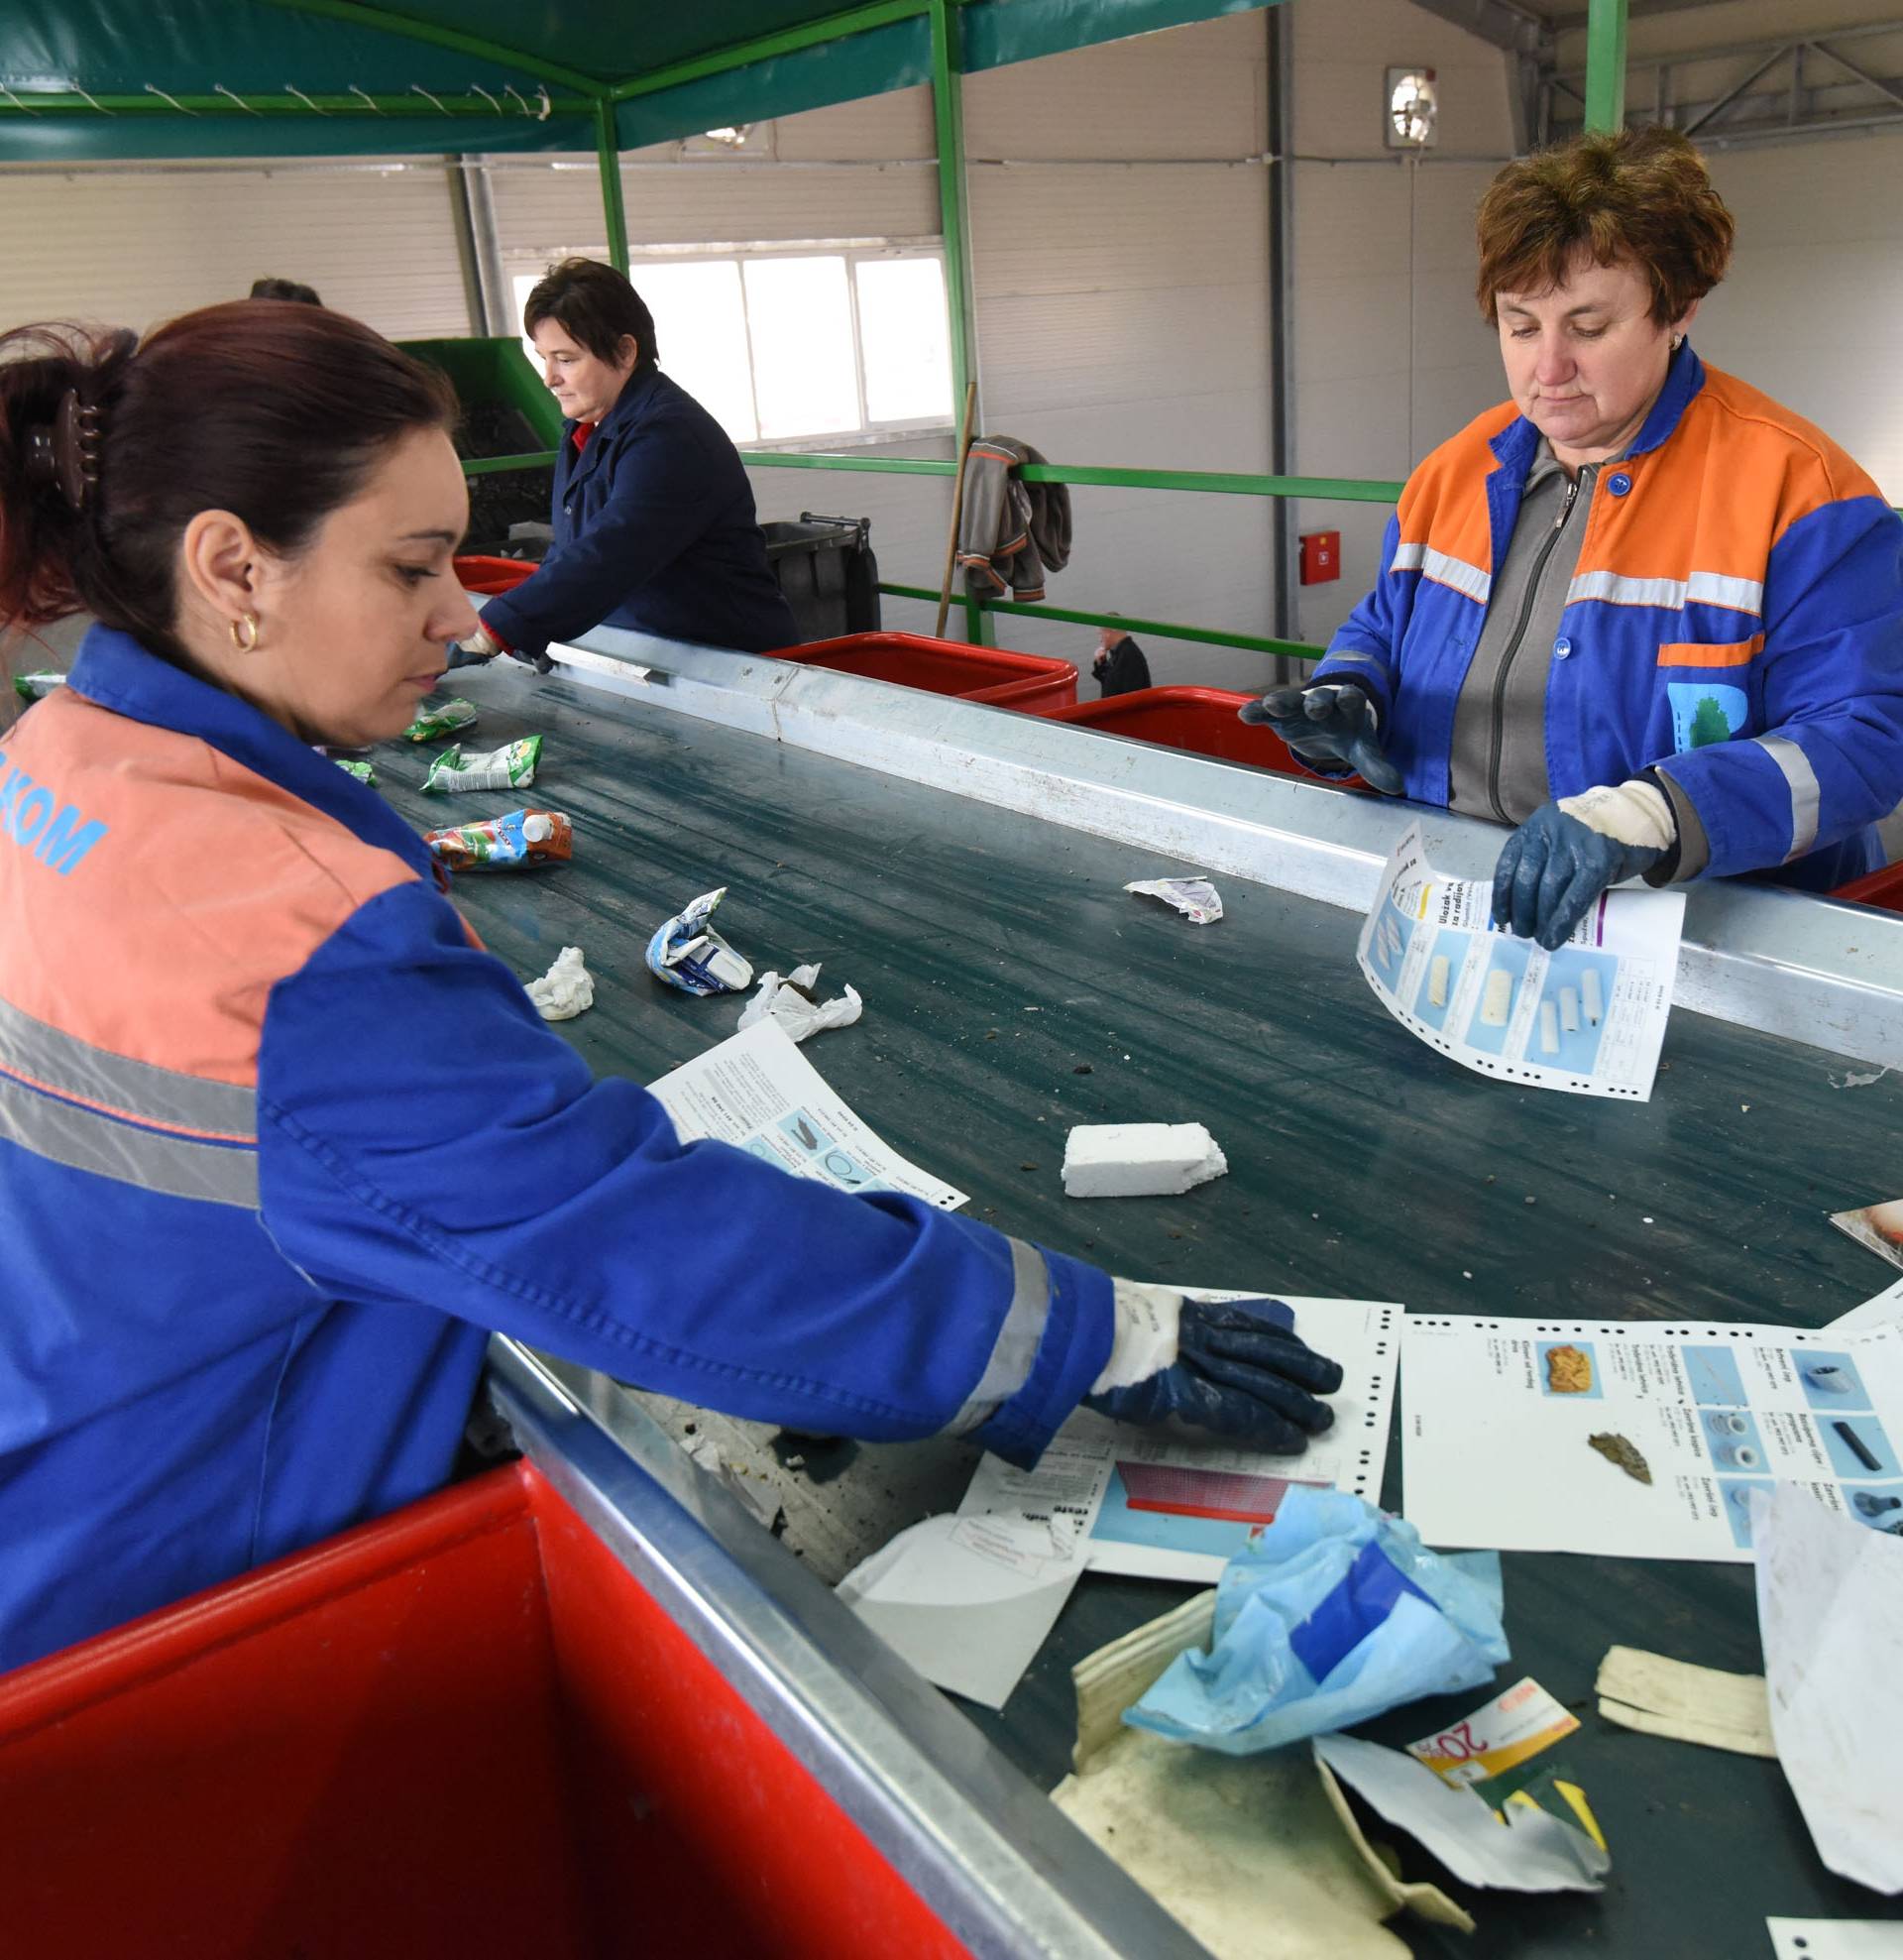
(1139, 1160)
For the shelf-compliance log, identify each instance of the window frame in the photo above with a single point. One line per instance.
(519, 264)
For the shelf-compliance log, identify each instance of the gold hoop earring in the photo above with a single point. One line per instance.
(244, 634)
(1678, 341)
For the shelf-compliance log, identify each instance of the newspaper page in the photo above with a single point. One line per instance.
(756, 1089)
(1175, 1504)
(1642, 1442)
(1587, 1019)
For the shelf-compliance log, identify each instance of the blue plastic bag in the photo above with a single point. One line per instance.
(1333, 1614)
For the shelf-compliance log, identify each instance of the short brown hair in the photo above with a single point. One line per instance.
(1642, 194)
(598, 308)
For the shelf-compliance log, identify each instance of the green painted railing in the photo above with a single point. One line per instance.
(1212, 483)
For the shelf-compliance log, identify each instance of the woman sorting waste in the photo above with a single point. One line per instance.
(279, 1141)
(1640, 610)
(653, 515)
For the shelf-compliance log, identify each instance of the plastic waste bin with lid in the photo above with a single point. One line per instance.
(463, 1729)
(825, 569)
(946, 667)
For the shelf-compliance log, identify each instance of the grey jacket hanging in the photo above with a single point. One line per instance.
(1010, 532)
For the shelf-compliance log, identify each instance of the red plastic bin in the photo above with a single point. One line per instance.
(464, 1729)
(491, 575)
(1882, 888)
(946, 666)
(1202, 720)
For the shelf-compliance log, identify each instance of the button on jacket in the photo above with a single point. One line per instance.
(279, 1142)
(655, 530)
(1733, 623)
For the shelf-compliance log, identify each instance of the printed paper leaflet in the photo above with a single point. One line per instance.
(1172, 1504)
(756, 1089)
(1587, 1019)
(1641, 1442)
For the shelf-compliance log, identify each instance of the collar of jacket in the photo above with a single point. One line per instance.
(115, 671)
(624, 416)
(1516, 445)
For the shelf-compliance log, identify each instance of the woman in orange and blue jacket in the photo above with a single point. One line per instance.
(1640, 610)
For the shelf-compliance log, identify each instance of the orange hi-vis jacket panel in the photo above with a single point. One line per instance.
(1734, 624)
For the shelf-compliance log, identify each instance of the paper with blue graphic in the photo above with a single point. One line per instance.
(1499, 1417)
(757, 1091)
(1176, 1503)
(1587, 1019)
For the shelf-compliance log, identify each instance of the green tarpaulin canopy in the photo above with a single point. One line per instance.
(132, 78)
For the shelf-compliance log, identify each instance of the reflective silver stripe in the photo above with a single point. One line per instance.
(62, 1062)
(173, 1165)
(1016, 1349)
(1742, 594)
(1347, 659)
(1618, 590)
(1474, 580)
(1738, 595)
(1805, 792)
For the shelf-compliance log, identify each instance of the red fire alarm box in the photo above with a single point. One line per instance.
(1321, 556)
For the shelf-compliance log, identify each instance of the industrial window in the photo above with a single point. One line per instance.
(788, 344)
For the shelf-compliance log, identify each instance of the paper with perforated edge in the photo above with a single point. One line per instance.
(1178, 1503)
(1587, 1019)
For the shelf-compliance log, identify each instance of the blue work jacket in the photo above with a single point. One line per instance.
(279, 1143)
(1734, 626)
(655, 532)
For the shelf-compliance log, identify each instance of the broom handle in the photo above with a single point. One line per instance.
(957, 508)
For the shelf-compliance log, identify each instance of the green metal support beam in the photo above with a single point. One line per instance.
(789, 41)
(35, 102)
(609, 153)
(1606, 65)
(1219, 483)
(948, 111)
(357, 14)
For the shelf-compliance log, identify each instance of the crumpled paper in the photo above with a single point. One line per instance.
(565, 989)
(1196, 898)
(783, 999)
(1332, 1615)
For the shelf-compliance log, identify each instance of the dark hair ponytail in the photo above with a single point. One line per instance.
(276, 414)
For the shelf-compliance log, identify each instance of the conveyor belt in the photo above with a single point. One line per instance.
(1012, 988)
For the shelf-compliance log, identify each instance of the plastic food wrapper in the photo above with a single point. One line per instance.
(512, 766)
(445, 718)
(1332, 1615)
(785, 1000)
(1535, 1852)
(364, 773)
(36, 687)
(522, 837)
(566, 990)
(1196, 898)
(689, 954)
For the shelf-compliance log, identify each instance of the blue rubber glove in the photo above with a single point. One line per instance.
(1327, 723)
(1240, 1370)
(1553, 868)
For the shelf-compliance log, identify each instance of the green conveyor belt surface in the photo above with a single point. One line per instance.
(1012, 988)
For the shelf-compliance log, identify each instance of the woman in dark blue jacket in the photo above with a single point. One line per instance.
(654, 522)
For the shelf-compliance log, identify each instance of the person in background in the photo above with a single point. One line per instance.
(285, 289)
(1642, 611)
(653, 515)
(1119, 667)
(253, 1229)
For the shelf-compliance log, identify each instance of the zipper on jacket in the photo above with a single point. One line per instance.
(1496, 758)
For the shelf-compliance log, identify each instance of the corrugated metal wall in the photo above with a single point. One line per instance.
(135, 247)
(1392, 356)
